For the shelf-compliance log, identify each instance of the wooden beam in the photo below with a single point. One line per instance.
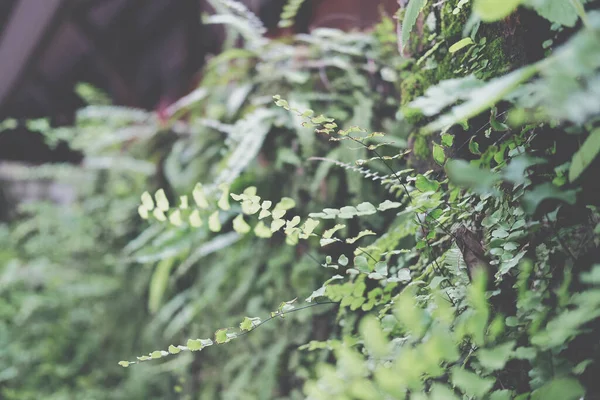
(29, 25)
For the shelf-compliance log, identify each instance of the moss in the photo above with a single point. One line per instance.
(451, 24)
(412, 115)
(420, 147)
(412, 86)
(495, 60)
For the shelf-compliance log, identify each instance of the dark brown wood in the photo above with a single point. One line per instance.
(30, 23)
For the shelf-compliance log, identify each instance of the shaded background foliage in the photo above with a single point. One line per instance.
(510, 87)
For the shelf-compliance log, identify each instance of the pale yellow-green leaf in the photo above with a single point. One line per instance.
(158, 283)
(174, 350)
(361, 234)
(329, 232)
(214, 224)
(285, 204)
(143, 211)
(495, 10)
(223, 202)
(175, 218)
(240, 226)
(250, 207)
(460, 44)
(308, 227)
(161, 200)
(183, 202)
(159, 214)
(278, 214)
(262, 231)
(199, 196)
(195, 220)
(264, 214)
(295, 221)
(277, 224)
(147, 201)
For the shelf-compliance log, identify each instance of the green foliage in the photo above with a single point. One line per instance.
(470, 275)
(411, 14)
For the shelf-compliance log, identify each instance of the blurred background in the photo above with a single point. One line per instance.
(92, 95)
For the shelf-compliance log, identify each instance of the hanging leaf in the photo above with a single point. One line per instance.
(438, 154)
(195, 220)
(413, 9)
(532, 199)
(147, 201)
(495, 10)
(199, 196)
(425, 184)
(461, 44)
(361, 234)
(223, 202)
(585, 155)
(158, 283)
(240, 226)
(161, 200)
(214, 224)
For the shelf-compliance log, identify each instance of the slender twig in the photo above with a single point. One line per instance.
(282, 314)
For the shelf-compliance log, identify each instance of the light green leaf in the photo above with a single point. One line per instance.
(365, 208)
(285, 204)
(411, 14)
(156, 354)
(221, 336)
(175, 218)
(124, 363)
(343, 260)
(183, 202)
(495, 10)
(447, 139)
(328, 234)
(460, 44)
(532, 199)
(239, 225)
(143, 211)
(248, 323)
(557, 11)
(501, 395)
(585, 155)
(361, 234)
(277, 224)
(161, 200)
(159, 215)
(375, 341)
(388, 205)
(174, 350)
(308, 227)
(223, 202)
(470, 383)
(195, 220)
(262, 231)
(198, 344)
(278, 214)
(438, 154)
(559, 389)
(464, 174)
(214, 224)
(495, 358)
(424, 184)
(199, 196)
(147, 201)
(158, 283)
(264, 214)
